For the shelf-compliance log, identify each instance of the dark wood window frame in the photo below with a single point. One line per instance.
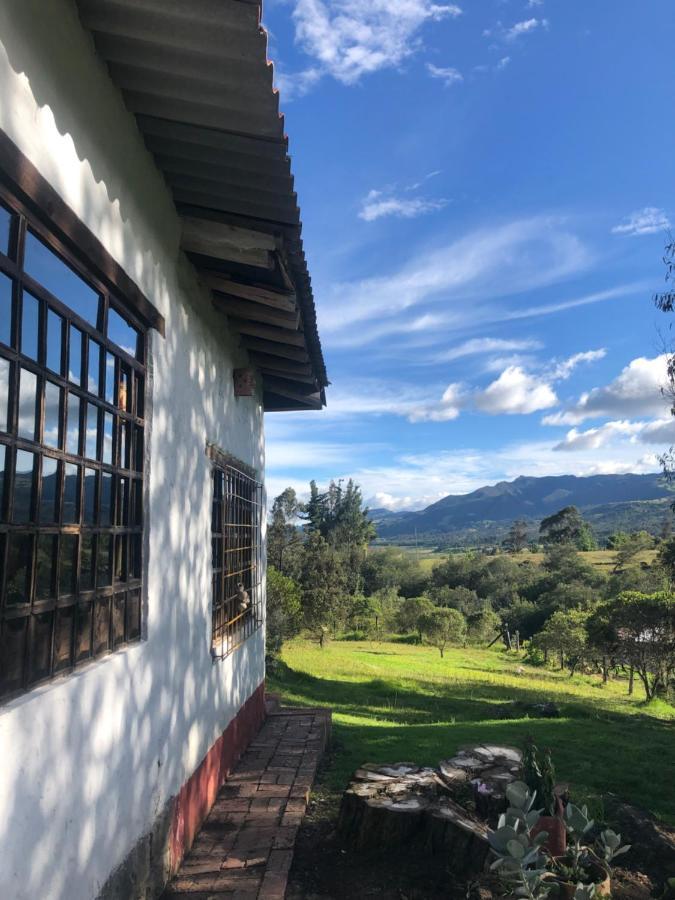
(236, 522)
(78, 592)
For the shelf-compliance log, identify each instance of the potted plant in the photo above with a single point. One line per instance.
(539, 776)
(583, 872)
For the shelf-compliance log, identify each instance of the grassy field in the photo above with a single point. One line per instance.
(393, 702)
(600, 559)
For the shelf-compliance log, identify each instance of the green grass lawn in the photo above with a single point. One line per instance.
(393, 702)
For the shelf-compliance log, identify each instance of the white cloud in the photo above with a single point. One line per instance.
(643, 221)
(292, 86)
(487, 263)
(515, 392)
(635, 392)
(448, 76)
(348, 39)
(532, 3)
(527, 26)
(564, 369)
(486, 346)
(503, 62)
(594, 438)
(377, 205)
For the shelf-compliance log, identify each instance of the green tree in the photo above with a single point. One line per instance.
(461, 598)
(666, 558)
(283, 537)
(441, 627)
(284, 610)
(631, 547)
(565, 633)
(323, 590)
(567, 527)
(639, 629)
(410, 613)
(516, 539)
(482, 627)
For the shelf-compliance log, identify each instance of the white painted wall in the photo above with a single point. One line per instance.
(88, 761)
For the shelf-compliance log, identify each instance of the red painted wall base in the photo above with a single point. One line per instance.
(198, 794)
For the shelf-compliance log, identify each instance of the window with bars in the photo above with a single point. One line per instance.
(72, 387)
(236, 548)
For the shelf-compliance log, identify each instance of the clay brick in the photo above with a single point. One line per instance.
(285, 837)
(280, 861)
(273, 887)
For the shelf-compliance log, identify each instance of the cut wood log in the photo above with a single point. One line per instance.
(386, 806)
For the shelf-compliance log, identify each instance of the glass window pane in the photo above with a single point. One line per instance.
(106, 498)
(118, 619)
(71, 494)
(75, 355)
(2, 493)
(19, 564)
(94, 363)
(92, 431)
(48, 496)
(63, 638)
(54, 341)
(123, 397)
(60, 280)
(23, 486)
(87, 561)
(83, 632)
(103, 562)
(89, 496)
(45, 566)
(101, 625)
(109, 378)
(107, 438)
(27, 404)
(4, 393)
(73, 426)
(40, 646)
(30, 324)
(5, 229)
(52, 424)
(67, 564)
(5, 310)
(121, 333)
(12, 654)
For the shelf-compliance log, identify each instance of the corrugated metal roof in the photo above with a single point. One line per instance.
(196, 75)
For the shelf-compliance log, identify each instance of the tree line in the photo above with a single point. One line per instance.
(324, 578)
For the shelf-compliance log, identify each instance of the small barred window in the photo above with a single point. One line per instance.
(236, 547)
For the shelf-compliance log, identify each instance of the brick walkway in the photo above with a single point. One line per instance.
(245, 847)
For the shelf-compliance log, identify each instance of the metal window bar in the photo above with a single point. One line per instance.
(71, 473)
(237, 558)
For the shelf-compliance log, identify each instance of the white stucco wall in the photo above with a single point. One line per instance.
(88, 761)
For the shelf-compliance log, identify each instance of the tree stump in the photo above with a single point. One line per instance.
(389, 806)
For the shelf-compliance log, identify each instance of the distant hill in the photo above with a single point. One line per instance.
(608, 502)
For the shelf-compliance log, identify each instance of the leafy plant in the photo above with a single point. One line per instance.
(539, 774)
(523, 861)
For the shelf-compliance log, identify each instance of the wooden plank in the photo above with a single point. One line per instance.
(273, 402)
(251, 292)
(228, 242)
(264, 360)
(71, 234)
(272, 348)
(267, 333)
(256, 312)
(278, 373)
(286, 388)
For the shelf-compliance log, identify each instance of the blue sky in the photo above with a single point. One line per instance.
(485, 189)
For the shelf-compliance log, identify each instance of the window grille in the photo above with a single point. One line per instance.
(236, 548)
(72, 393)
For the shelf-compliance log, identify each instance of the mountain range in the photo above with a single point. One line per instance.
(608, 502)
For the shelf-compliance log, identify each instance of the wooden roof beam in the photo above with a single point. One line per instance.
(256, 312)
(285, 302)
(228, 242)
(268, 333)
(272, 348)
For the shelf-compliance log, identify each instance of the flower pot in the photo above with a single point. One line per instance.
(602, 882)
(556, 842)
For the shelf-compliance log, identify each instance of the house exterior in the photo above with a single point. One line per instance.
(154, 304)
